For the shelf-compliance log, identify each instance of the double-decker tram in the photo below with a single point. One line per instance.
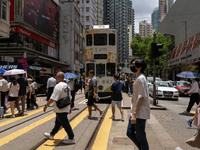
(101, 56)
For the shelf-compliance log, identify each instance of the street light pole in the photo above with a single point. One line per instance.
(185, 22)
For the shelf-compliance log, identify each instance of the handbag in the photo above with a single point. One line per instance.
(64, 102)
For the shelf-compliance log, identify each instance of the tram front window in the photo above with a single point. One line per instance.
(89, 66)
(110, 69)
(100, 39)
(100, 70)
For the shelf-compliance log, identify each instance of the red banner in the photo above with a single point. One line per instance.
(32, 35)
(12, 3)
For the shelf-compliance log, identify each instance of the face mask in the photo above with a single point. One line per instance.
(133, 69)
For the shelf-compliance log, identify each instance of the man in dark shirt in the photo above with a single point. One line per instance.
(22, 93)
(117, 97)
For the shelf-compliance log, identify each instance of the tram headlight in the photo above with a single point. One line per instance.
(100, 87)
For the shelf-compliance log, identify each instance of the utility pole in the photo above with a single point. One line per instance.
(166, 65)
(154, 75)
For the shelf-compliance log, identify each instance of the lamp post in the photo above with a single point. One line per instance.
(185, 24)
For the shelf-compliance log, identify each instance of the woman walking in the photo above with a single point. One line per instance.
(13, 88)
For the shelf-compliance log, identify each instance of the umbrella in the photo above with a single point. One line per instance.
(2, 71)
(70, 75)
(187, 74)
(14, 72)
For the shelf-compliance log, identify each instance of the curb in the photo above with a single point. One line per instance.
(152, 107)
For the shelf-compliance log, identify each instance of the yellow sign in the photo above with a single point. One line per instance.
(89, 54)
(112, 57)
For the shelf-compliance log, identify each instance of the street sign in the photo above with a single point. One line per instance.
(9, 59)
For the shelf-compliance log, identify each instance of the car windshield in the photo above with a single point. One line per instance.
(183, 84)
(163, 84)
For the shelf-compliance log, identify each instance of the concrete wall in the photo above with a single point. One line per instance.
(181, 11)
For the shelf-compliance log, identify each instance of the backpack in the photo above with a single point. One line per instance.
(76, 86)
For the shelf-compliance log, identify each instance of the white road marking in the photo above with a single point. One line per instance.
(83, 102)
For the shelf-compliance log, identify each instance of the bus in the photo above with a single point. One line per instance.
(101, 56)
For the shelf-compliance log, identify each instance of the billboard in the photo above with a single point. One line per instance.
(42, 15)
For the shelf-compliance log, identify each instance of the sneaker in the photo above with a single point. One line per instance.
(112, 117)
(48, 135)
(68, 141)
(122, 119)
(12, 116)
(185, 113)
(189, 121)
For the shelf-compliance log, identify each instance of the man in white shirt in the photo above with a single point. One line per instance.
(194, 98)
(51, 83)
(140, 109)
(60, 91)
(3, 90)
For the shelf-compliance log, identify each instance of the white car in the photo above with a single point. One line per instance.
(164, 90)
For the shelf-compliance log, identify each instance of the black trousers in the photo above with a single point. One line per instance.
(31, 102)
(50, 91)
(3, 95)
(194, 98)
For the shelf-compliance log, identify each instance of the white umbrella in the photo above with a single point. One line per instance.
(14, 72)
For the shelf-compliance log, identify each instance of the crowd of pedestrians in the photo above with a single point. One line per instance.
(16, 92)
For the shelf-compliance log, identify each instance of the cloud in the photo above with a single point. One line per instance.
(143, 10)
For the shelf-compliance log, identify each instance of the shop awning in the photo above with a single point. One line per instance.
(54, 61)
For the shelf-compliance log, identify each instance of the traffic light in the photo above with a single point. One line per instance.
(155, 50)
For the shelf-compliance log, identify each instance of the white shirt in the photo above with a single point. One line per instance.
(58, 93)
(3, 84)
(14, 89)
(140, 90)
(194, 88)
(51, 82)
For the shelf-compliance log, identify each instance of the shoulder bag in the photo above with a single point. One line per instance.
(64, 102)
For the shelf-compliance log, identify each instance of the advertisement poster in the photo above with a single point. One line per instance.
(42, 15)
(112, 57)
(89, 54)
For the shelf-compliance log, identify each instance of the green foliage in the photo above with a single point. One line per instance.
(141, 47)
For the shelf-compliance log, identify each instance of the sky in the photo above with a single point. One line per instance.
(143, 10)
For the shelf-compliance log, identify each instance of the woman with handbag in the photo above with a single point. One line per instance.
(13, 88)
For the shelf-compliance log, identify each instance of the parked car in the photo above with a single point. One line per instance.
(183, 87)
(172, 83)
(164, 90)
(150, 80)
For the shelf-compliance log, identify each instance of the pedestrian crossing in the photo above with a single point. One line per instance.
(22, 131)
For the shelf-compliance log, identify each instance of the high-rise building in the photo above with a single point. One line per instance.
(99, 12)
(4, 18)
(88, 11)
(145, 29)
(164, 7)
(115, 15)
(130, 38)
(155, 19)
(131, 17)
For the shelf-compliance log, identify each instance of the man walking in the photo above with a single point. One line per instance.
(51, 83)
(60, 91)
(117, 97)
(194, 98)
(92, 92)
(3, 90)
(22, 93)
(140, 110)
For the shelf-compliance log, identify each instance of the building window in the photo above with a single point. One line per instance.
(87, 18)
(87, 27)
(3, 9)
(87, 9)
(87, 1)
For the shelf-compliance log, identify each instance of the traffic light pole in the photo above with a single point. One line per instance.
(154, 76)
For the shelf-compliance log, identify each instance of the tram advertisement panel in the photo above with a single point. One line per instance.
(89, 54)
(112, 57)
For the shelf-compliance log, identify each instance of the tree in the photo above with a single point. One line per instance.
(141, 47)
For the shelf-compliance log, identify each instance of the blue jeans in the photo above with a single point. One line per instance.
(62, 120)
(136, 132)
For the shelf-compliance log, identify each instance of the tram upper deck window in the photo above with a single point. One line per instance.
(89, 39)
(89, 66)
(100, 39)
(111, 39)
(110, 69)
(100, 70)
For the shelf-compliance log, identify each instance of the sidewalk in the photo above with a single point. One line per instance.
(158, 137)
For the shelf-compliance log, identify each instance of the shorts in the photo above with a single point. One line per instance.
(91, 101)
(12, 98)
(118, 103)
